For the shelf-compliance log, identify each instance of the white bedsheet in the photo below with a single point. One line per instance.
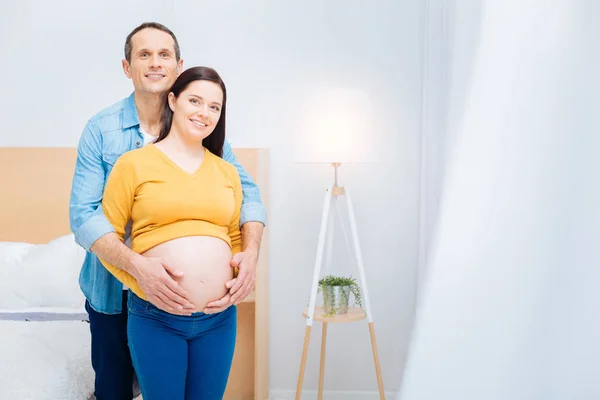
(45, 346)
(45, 360)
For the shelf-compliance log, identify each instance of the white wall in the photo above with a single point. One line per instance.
(62, 64)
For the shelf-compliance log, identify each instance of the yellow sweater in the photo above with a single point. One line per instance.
(165, 202)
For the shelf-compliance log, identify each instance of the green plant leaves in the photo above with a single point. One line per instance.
(332, 281)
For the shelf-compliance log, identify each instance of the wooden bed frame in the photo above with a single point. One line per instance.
(35, 188)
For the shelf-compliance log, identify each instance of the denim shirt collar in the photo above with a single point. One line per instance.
(130, 114)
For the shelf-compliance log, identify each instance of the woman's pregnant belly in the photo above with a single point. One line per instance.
(205, 263)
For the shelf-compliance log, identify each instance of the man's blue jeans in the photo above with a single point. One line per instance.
(114, 374)
(181, 357)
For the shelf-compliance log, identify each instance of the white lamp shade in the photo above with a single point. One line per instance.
(334, 125)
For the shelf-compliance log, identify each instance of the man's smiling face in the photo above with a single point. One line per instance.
(153, 66)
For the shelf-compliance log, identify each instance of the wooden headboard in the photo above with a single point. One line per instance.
(35, 187)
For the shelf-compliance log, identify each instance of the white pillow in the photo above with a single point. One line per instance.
(41, 276)
(13, 252)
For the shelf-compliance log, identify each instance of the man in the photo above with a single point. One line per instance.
(152, 61)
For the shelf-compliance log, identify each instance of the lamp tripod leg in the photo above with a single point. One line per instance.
(322, 367)
(313, 294)
(303, 362)
(376, 359)
(364, 290)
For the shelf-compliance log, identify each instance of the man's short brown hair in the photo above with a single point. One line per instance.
(151, 25)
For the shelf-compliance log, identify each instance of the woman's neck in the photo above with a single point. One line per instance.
(182, 145)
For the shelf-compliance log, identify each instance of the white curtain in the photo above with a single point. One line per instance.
(509, 306)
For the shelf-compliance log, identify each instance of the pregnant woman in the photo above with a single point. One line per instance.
(184, 204)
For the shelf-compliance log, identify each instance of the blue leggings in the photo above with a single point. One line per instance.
(180, 357)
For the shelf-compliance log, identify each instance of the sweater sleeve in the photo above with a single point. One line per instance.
(117, 203)
(234, 226)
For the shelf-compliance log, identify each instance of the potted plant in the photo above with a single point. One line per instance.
(336, 293)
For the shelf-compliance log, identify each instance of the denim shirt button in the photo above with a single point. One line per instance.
(137, 144)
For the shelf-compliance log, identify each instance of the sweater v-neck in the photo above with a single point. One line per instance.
(170, 161)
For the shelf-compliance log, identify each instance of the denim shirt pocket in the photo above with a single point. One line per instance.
(109, 160)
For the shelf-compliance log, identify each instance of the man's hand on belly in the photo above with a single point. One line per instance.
(218, 305)
(239, 287)
(243, 285)
(154, 277)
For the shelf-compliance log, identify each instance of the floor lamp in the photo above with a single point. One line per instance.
(342, 130)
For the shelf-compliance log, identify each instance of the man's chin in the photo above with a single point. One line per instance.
(153, 90)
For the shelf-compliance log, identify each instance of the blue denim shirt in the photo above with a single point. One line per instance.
(108, 135)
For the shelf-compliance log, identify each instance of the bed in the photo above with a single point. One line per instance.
(45, 347)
